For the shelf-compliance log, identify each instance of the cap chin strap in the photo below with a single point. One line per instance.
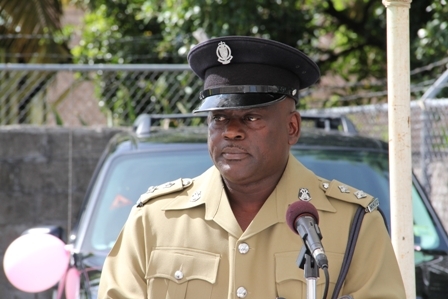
(238, 89)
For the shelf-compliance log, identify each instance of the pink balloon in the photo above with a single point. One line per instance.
(35, 262)
(72, 283)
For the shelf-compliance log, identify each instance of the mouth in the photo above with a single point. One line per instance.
(234, 153)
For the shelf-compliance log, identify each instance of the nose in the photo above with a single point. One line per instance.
(234, 130)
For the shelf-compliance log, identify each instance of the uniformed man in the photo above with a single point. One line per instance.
(223, 234)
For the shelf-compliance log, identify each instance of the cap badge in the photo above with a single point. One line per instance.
(224, 53)
(304, 194)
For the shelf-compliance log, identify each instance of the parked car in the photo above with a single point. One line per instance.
(150, 156)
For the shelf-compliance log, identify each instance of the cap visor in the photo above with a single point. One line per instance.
(238, 101)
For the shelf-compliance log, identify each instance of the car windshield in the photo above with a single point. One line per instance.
(369, 171)
(127, 176)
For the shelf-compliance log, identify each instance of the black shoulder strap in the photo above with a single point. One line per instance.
(350, 249)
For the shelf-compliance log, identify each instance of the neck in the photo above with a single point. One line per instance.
(247, 200)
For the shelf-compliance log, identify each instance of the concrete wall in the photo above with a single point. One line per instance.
(35, 180)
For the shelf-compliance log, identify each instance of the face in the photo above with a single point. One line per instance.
(250, 145)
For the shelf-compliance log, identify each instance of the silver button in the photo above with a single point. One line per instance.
(186, 182)
(178, 275)
(243, 248)
(241, 292)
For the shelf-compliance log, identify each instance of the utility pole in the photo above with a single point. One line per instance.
(400, 152)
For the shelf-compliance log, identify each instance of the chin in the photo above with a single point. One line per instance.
(235, 176)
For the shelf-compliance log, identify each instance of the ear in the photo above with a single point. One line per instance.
(294, 127)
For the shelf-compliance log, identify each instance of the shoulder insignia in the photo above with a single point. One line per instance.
(167, 188)
(324, 183)
(341, 191)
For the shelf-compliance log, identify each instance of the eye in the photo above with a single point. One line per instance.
(252, 118)
(218, 118)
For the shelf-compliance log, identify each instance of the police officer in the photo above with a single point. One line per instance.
(223, 234)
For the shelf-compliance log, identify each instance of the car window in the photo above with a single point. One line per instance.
(368, 171)
(130, 175)
(425, 233)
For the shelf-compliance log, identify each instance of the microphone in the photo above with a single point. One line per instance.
(302, 218)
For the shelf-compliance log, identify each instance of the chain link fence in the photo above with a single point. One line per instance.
(114, 95)
(429, 141)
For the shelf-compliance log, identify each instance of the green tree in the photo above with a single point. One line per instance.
(429, 55)
(31, 31)
(347, 38)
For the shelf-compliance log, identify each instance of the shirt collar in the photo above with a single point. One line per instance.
(208, 189)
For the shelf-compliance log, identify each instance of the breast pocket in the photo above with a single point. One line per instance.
(291, 281)
(181, 273)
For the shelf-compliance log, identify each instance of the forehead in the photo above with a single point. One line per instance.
(242, 111)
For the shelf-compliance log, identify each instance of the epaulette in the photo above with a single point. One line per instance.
(167, 188)
(341, 191)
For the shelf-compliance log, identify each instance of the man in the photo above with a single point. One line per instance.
(224, 233)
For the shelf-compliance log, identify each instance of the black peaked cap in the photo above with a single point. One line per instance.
(244, 72)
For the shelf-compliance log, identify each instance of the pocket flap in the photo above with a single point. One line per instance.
(286, 267)
(181, 265)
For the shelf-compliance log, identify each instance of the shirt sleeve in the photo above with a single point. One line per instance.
(374, 272)
(124, 270)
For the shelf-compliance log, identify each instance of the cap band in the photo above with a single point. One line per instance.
(244, 89)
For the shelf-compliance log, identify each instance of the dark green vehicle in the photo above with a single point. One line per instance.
(150, 156)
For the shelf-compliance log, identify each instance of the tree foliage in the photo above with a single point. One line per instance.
(31, 32)
(347, 38)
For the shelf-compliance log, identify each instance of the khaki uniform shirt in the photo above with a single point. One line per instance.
(183, 241)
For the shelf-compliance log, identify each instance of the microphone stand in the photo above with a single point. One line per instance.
(307, 262)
